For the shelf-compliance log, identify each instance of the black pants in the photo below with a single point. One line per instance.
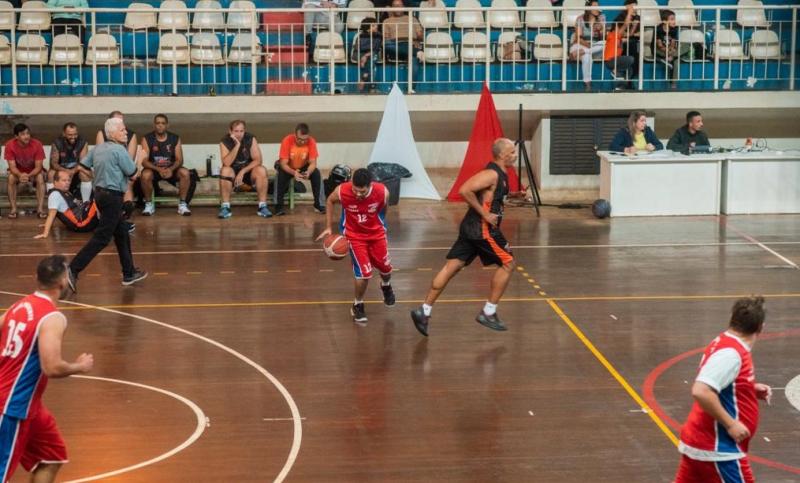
(109, 204)
(283, 179)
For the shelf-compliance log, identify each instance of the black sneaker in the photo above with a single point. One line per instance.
(278, 211)
(357, 311)
(491, 321)
(319, 209)
(388, 295)
(420, 320)
(72, 281)
(130, 226)
(137, 275)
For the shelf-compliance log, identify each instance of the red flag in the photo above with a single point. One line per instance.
(485, 131)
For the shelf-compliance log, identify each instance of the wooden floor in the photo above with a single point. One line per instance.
(237, 359)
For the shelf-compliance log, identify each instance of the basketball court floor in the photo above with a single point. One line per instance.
(237, 360)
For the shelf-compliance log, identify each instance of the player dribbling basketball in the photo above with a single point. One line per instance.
(363, 224)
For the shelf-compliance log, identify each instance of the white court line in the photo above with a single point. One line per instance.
(792, 392)
(298, 428)
(201, 426)
(768, 249)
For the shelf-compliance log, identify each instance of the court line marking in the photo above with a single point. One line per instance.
(792, 392)
(761, 245)
(297, 427)
(201, 427)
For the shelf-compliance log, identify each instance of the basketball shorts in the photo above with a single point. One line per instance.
(493, 250)
(366, 254)
(173, 180)
(29, 442)
(694, 471)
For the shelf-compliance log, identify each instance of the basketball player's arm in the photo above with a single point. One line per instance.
(255, 156)
(133, 145)
(178, 158)
(99, 138)
(51, 334)
(146, 164)
(329, 205)
(54, 159)
(708, 399)
(226, 155)
(48, 224)
(482, 180)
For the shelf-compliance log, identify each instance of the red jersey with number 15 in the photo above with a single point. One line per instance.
(22, 381)
(363, 219)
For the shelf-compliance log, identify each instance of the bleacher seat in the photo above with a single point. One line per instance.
(691, 36)
(548, 47)
(504, 15)
(506, 38)
(572, 10)
(765, 45)
(29, 21)
(466, 17)
(648, 35)
(355, 53)
(354, 17)
(173, 48)
(434, 19)
(208, 20)
(7, 20)
(729, 45)
(328, 47)
(206, 49)
(649, 17)
(5, 51)
(102, 50)
(475, 47)
(31, 50)
(66, 50)
(173, 15)
(241, 51)
(438, 48)
(140, 16)
(543, 17)
(751, 17)
(685, 16)
(243, 20)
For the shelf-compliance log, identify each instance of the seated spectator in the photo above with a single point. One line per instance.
(631, 35)
(67, 22)
(397, 45)
(589, 33)
(667, 46)
(66, 153)
(636, 136)
(298, 161)
(241, 165)
(133, 146)
(368, 52)
(77, 216)
(319, 13)
(163, 161)
(25, 157)
(689, 135)
(620, 65)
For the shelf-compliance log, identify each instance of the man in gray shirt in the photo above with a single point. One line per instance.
(113, 168)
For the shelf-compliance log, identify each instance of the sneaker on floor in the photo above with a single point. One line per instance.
(388, 295)
(279, 211)
(491, 321)
(72, 280)
(183, 209)
(138, 274)
(130, 226)
(264, 212)
(149, 209)
(358, 313)
(319, 209)
(224, 212)
(420, 320)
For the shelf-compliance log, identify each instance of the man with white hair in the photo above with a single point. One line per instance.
(113, 168)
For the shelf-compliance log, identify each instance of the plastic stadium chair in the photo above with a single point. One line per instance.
(438, 48)
(208, 20)
(765, 45)
(649, 18)
(33, 20)
(329, 46)
(7, 19)
(729, 45)
(435, 19)
(572, 10)
(511, 38)
(66, 50)
(31, 50)
(354, 18)
(205, 49)
(241, 51)
(5, 51)
(755, 17)
(468, 19)
(691, 36)
(140, 16)
(540, 19)
(173, 49)
(548, 47)
(102, 50)
(504, 15)
(685, 16)
(648, 35)
(173, 15)
(240, 20)
(475, 47)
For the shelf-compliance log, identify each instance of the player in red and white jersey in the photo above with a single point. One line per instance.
(724, 416)
(363, 223)
(30, 337)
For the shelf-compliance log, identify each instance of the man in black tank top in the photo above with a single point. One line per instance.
(132, 146)
(65, 155)
(242, 164)
(479, 235)
(163, 161)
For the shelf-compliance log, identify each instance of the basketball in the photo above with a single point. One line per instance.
(601, 208)
(335, 246)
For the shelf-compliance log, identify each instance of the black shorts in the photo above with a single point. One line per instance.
(494, 250)
(247, 179)
(173, 180)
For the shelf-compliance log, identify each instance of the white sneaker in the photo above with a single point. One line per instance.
(183, 210)
(149, 208)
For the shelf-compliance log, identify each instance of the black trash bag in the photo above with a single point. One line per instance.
(384, 171)
(338, 175)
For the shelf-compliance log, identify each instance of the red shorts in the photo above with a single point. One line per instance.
(366, 254)
(694, 471)
(30, 442)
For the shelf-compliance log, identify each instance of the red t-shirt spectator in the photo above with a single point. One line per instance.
(24, 156)
(298, 155)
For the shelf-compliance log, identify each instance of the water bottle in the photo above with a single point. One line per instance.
(748, 144)
(208, 166)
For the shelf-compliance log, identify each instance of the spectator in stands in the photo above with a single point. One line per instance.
(163, 161)
(636, 136)
(667, 46)
(25, 157)
(368, 51)
(67, 22)
(242, 164)
(66, 153)
(630, 37)
(589, 37)
(397, 45)
(132, 146)
(615, 60)
(690, 135)
(319, 14)
(298, 161)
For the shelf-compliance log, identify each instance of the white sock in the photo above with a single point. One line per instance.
(386, 283)
(226, 205)
(86, 190)
(48, 186)
(489, 308)
(262, 204)
(427, 309)
(356, 302)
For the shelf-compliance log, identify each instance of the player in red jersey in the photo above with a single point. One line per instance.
(724, 416)
(363, 223)
(30, 337)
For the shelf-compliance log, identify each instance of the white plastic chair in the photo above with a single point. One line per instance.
(648, 35)
(354, 17)
(31, 50)
(140, 16)
(475, 48)
(436, 19)
(729, 45)
(102, 50)
(7, 20)
(240, 20)
(468, 19)
(540, 19)
(208, 20)
(504, 15)
(205, 49)
(173, 48)
(66, 50)
(33, 20)
(241, 50)
(572, 10)
(751, 17)
(173, 15)
(648, 18)
(5, 51)
(506, 38)
(685, 16)
(548, 47)
(438, 48)
(765, 45)
(329, 46)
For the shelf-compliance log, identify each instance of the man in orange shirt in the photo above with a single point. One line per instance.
(298, 161)
(620, 65)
